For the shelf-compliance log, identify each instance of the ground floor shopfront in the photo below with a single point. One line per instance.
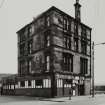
(57, 85)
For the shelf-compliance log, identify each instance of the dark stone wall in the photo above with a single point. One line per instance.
(39, 92)
(57, 63)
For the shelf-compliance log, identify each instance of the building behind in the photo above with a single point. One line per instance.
(3, 75)
(54, 55)
(99, 89)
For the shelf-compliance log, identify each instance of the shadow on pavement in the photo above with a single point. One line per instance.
(8, 99)
(51, 100)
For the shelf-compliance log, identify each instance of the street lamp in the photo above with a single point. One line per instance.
(93, 45)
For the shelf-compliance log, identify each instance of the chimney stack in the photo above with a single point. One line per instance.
(77, 11)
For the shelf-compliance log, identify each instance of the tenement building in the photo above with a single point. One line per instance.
(54, 52)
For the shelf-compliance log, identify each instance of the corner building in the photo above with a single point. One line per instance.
(54, 52)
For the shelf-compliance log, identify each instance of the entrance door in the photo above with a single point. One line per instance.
(81, 89)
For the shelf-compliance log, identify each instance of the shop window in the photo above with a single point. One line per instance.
(65, 24)
(48, 40)
(46, 83)
(67, 83)
(59, 83)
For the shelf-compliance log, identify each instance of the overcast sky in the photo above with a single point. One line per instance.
(14, 14)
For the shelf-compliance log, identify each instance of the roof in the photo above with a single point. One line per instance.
(50, 9)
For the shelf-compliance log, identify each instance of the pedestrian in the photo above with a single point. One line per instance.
(70, 93)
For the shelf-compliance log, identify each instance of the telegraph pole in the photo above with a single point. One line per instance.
(93, 45)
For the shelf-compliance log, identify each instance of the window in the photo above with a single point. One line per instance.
(75, 44)
(67, 42)
(76, 29)
(84, 32)
(83, 66)
(65, 24)
(69, 25)
(79, 30)
(29, 47)
(22, 83)
(47, 63)
(22, 36)
(29, 66)
(22, 67)
(22, 49)
(84, 47)
(47, 38)
(72, 26)
(48, 21)
(31, 30)
(68, 62)
(88, 33)
(67, 83)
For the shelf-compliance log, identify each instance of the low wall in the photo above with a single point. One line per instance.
(39, 92)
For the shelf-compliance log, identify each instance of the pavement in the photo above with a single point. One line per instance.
(77, 100)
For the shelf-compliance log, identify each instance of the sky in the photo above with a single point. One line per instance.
(14, 14)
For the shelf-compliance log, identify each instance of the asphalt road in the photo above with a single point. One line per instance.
(78, 100)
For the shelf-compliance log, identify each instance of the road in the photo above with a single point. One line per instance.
(78, 100)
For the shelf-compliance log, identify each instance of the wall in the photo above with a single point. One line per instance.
(29, 92)
(76, 63)
(38, 62)
(57, 63)
(87, 87)
(38, 41)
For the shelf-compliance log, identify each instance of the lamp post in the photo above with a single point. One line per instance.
(93, 45)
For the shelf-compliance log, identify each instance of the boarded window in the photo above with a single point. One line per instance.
(39, 82)
(22, 83)
(29, 83)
